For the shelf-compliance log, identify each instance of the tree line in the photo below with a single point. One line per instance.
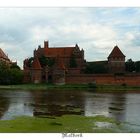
(10, 74)
(101, 67)
(131, 66)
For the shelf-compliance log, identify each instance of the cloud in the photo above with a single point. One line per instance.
(96, 30)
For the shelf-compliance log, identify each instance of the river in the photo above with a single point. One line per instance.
(124, 106)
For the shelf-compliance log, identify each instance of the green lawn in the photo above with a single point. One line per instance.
(66, 123)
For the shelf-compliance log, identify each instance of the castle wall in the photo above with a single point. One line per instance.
(74, 70)
(36, 76)
(128, 79)
(27, 77)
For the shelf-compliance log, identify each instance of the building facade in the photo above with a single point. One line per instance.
(50, 64)
(4, 58)
(116, 61)
(53, 64)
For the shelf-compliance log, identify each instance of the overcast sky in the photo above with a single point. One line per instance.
(96, 30)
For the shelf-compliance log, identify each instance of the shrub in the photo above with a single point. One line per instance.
(92, 85)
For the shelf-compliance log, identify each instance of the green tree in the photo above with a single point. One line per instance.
(130, 65)
(45, 61)
(73, 63)
(137, 65)
(14, 66)
(4, 73)
(10, 75)
(15, 76)
(30, 61)
(97, 68)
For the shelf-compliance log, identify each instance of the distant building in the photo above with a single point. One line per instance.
(116, 61)
(50, 64)
(53, 64)
(4, 58)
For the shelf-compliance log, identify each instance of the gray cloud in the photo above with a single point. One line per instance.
(96, 30)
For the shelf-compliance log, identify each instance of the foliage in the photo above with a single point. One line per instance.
(10, 75)
(95, 68)
(15, 76)
(45, 61)
(14, 66)
(73, 63)
(137, 66)
(30, 61)
(130, 65)
(92, 85)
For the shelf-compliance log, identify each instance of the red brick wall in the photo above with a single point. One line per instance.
(129, 79)
(36, 76)
(74, 70)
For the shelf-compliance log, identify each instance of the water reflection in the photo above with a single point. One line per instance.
(117, 106)
(16, 101)
(4, 105)
(121, 106)
(96, 104)
(58, 103)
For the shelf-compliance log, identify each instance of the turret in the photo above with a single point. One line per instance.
(116, 61)
(35, 53)
(46, 44)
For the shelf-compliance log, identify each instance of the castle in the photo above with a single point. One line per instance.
(53, 64)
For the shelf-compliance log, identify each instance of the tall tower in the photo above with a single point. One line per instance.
(116, 61)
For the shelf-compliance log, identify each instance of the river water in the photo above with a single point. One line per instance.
(124, 107)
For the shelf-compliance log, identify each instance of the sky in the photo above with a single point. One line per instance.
(96, 30)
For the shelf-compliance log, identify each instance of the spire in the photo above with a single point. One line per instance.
(39, 46)
(76, 45)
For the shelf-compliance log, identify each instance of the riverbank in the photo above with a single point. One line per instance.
(63, 124)
(98, 88)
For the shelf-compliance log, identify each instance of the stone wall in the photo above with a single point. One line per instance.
(128, 79)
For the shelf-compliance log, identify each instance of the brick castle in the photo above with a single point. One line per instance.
(66, 65)
(57, 63)
(62, 65)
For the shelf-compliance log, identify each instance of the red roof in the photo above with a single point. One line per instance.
(36, 64)
(3, 55)
(61, 51)
(116, 52)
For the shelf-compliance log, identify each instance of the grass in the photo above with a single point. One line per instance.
(98, 88)
(45, 87)
(64, 124)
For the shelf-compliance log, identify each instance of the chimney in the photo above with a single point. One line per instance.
(46, 44)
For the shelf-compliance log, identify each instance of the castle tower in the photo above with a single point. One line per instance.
(36, 71)
(116, 61)
(46, 44)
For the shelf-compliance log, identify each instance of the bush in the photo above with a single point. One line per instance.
(10, 75)
(92, 85)
(124, 84)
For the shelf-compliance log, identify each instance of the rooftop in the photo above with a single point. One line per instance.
(116, 52)
(3, 55)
